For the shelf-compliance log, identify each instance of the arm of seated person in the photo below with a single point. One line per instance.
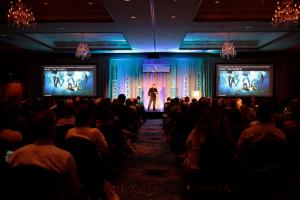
(72, 181)
(127, 133)
(101, 143)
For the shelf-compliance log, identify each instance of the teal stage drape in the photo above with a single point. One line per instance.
(186, 74)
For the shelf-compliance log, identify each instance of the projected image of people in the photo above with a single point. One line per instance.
(68, 83)
(244, 83)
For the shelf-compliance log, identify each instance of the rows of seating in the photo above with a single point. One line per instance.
(225, 148)
(72, 141)
(233, 148)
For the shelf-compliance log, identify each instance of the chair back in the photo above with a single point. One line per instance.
(265, 154)
(265, 170)
(34, 183)
(90, 166)
(60, 136)
(4, 169)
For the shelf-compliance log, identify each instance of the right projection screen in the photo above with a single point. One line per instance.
(244, 80)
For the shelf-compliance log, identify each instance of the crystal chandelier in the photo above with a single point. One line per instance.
(228, 49)
(286, 13)
(20, 15)
(82, 50)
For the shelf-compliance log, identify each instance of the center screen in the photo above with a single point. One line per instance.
(69, 80)
(244, 80)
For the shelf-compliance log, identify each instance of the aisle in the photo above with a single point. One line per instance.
(150, 173)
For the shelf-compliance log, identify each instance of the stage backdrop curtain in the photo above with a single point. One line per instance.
(186, 74)
(125, 77)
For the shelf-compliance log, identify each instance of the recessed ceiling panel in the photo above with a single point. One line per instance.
(96, 41)
(64, 10)
(235, 10)
(243, 40)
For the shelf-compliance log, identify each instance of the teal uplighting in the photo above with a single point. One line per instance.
(201, 43)
(97, 42)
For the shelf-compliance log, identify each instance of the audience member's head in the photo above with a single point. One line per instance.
(129, 102)
(105, 103)
(176, 100)
(121, 99)
(78, 99)
(69, 108)
(43, 124)
(234, 116)
(83, 116)
(264, 113)
(37, 105)
(238, 103)
(135, 101)
(187, 99)
(252, 100)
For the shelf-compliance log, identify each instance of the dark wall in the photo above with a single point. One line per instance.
(27, 69)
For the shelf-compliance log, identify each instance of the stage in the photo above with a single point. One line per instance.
(158, 114)
(174, 77)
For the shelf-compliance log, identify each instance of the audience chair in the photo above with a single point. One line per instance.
(34, 183)
(91, 168)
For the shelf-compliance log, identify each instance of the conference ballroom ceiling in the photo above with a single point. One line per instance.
(144, 26)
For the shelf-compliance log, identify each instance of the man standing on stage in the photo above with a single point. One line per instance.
(152, 94)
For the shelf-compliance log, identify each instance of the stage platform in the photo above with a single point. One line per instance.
(154, 114)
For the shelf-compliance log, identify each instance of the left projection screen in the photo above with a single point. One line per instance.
(69, 80)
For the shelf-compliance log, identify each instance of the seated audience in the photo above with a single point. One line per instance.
(264, 132)
(9, 138)
(42, 153)
(67, 118)
(195, 141)
(83, 122)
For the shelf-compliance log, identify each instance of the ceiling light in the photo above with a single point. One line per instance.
(173, 16)
(90, 3)
(82, 50)
(217, 2)
(20, 15)
(3, 35)
(45, 3)
(286, 13)
(133, 17)
(127, 0)
(228, 49)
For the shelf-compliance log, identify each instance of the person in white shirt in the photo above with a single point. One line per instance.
(83, 120)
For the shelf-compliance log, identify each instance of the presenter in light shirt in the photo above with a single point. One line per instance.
(152, 94)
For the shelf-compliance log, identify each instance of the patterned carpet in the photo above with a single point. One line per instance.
(150, 173)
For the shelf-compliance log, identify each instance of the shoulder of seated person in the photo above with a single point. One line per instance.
(11, 135)
(95, 130)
